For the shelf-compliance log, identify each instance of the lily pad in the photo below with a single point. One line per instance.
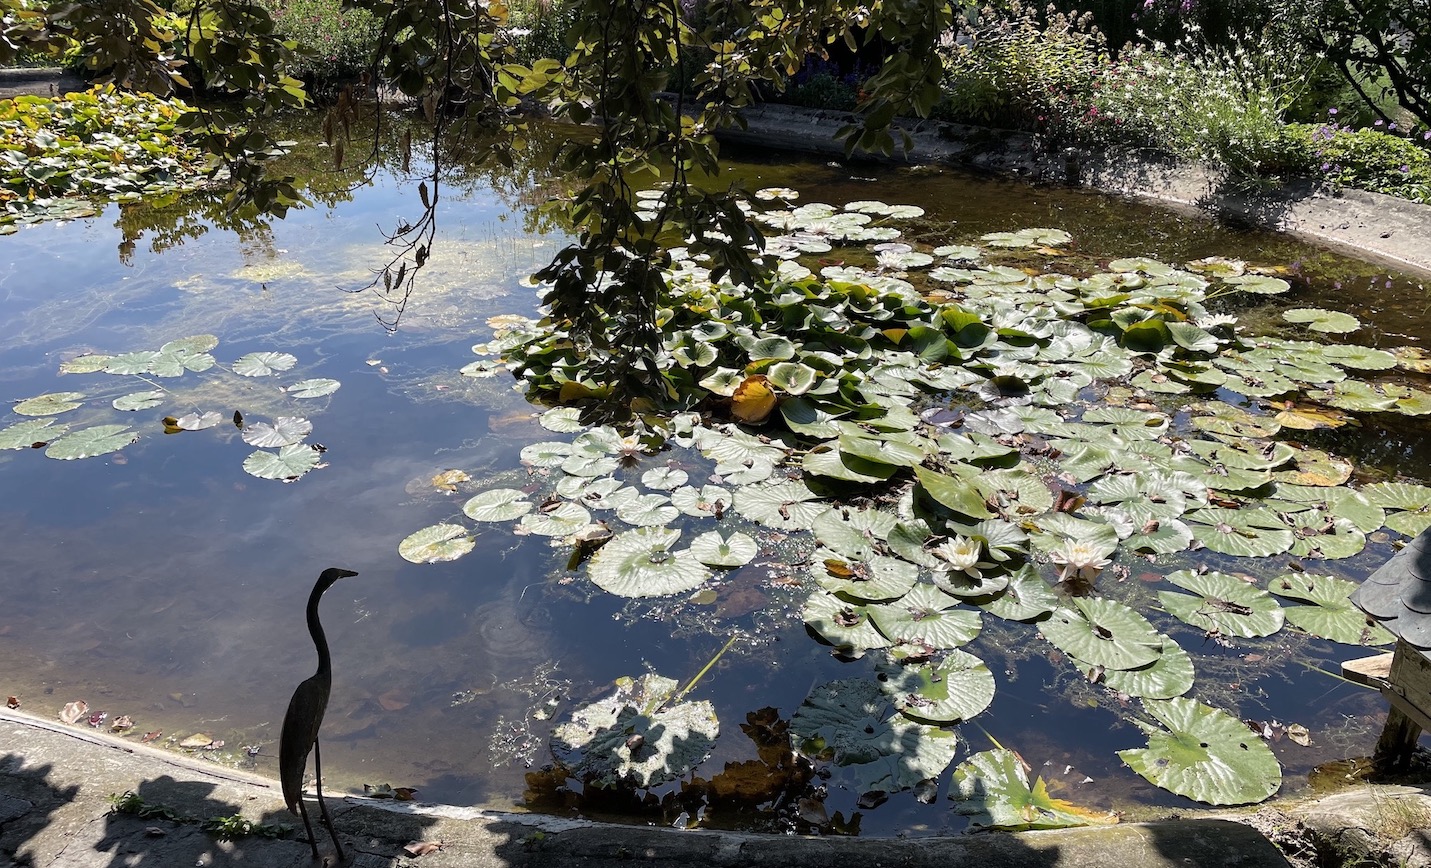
(956, 689)
(139, 400)
(1224, 604)
(1259, 284)
(873, 579)
(23, 435)
(926, 616)
(436, 543)
(189, 346)
(198, 421)
(843, 624)
(284, 431)
(715, 549)
(263, 364)
(89, 442)
(704, 502)
(313, 388)
(562, 519)
(850, 722)
(50, 404)
(1026, 598)
(1205, 754)
(287, 464)
(1170, 675)
(1330, 614)
(497, 504)
(781, 505)
(992, 789)
(640, 563)
(664, 478)
(1325, 321)
(1248, 533)
(639, 736)
(1104, 633)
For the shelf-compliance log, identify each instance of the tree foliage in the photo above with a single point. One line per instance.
(456, 59)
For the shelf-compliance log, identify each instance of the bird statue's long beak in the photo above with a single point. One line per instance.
(333, 574)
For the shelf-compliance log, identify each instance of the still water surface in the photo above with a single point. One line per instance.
(166, 584)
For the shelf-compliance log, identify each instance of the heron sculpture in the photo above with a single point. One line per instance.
(305, 717)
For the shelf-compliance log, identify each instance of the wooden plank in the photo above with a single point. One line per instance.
(1408, 687)
(1370, 671)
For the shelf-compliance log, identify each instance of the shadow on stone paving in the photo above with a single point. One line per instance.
(27, 805)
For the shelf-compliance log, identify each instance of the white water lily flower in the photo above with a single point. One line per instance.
(961, 554)
(1078, 559)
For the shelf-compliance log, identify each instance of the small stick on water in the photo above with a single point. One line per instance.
(690, 685)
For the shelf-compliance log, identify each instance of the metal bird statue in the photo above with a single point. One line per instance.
(305, 717)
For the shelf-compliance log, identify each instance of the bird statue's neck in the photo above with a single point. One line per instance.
(315, 627)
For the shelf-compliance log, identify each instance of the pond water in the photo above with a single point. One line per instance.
(165, 583)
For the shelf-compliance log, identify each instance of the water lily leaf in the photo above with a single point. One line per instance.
(563, 519)
(723, 381)
(1224, 604)
(889, 450)
(792, 378)
(639, 736)
(1259, 284)
(1154, 381)
(1247, 533)
(737, 447)
(1218, 266)
(992, 789)
(139, 400)
(263, 364)
(1168, 676)
(1360, 358)
(1193, 338)
(1015, 493)
(843, 624)
(1244, 454)
(768, 347)
(436, 543)
(1413, 501)
(926, 616)
(1056, 530)
(497, 504)
(809, 418)
(197, 421)
(89, 442)
(314, 388)
(1310, 417)
(1340, 502)
(1234, 422)
(1038, 237)
(23, 435)
(956, 689)
(718, 549)
(753, 400)
(562, 420)
(190, 346)
(853, 533)
(1205, 754)
(1414, 402)
(957, 252)
(131, 363)
(781, 505)
(1103, 633)
(958, 494)
(1162, 536)
(1026, 598)
(873, 579)
(1331, 614)
(284, 431)
(90, 363)
(1410, 523)
(289, 463)
(830, 461)
(704, 502)
(664, 478)
(1320, 535)
(50, 404)
(1325, 321)
(850, 722)
(640, 563)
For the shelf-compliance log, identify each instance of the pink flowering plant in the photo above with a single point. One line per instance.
(330, 43)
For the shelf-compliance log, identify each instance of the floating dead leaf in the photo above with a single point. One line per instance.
(197, 740)
(97, 718)
(122, 723)
(151, 735)
(404, 794)
(753, 401)
(394, 700)
(73, 711)
(12, 702)
(1309, 417)
(422, 848)
(379, 791)
(154, 832)
(448, 480)
(1299, 734)
(813, 812)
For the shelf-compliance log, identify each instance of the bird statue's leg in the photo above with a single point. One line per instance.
(308, 827)
(322, 805)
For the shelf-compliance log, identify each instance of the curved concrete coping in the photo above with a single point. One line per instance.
(56, 782)
(1391, 231)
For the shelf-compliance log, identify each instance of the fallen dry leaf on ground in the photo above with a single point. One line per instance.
(73, 711)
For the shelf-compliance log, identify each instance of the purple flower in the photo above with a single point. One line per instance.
(1331, 111)
(1378, 123)
(1326, 167)
(1405, 169)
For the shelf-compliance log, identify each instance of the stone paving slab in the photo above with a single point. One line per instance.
(56, 782)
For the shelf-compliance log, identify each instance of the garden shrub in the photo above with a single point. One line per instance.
(332, 43)
(819, 84)
(1025, 70)
(540, 28)
(1367, 159)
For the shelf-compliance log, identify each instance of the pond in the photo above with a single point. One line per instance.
(164, 583)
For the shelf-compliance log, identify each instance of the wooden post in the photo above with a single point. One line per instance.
(1404, 678)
